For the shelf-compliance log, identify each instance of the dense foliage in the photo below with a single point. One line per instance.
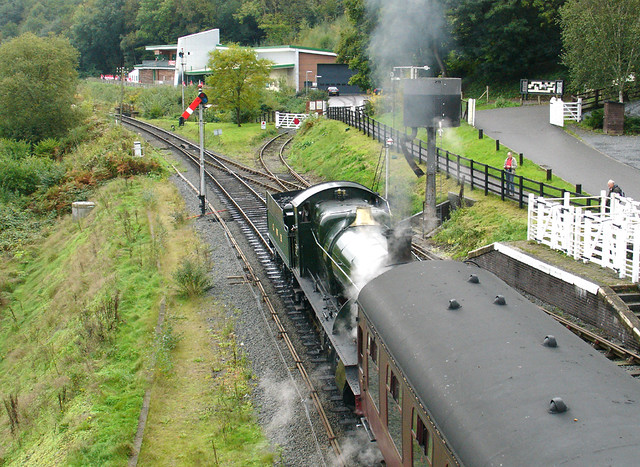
(38, 81)
(237, 79)
(605, 31)
(492, 39)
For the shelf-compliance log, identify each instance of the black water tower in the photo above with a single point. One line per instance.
(432, 102)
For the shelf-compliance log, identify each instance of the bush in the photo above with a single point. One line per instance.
(11, 149)
(49, 147)
(162, 101)
(632, 125)
(594, 119)
(192, 277)
(25, 176)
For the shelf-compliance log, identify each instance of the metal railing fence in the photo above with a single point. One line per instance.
(481, 176)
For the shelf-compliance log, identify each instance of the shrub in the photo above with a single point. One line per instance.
(49, 147)
(594, 119)
(192, 277)
(11, 149)
(25, 176)
(632, 125)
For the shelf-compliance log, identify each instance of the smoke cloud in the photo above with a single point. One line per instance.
(407, 33)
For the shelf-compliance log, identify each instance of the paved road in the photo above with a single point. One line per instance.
(590, 162)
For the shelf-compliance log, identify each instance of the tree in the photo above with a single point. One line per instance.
(354, 43)
(504, 40)
(237, 79)
(96, 32)
(38, 80)
(388, 34)
(281, 20)
(600, 39)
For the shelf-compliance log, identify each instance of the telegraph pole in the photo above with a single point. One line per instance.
(202, 187)
(121, 70)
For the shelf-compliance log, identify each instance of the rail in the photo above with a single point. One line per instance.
(482, 176)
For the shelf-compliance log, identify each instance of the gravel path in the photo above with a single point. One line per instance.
(280, 397)
(625, 148)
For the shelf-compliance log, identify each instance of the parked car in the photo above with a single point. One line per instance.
(333, 91)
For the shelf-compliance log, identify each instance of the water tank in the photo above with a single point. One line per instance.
(432, 102)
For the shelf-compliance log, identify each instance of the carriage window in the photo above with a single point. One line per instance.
(422, 441)
(373, 381)
(394, 409)
(360, 345)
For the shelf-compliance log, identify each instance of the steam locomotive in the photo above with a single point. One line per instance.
(333, 238)
(447, 363)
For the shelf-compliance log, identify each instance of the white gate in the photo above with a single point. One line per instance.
(605, 235)
(560, 111)
(286, 120)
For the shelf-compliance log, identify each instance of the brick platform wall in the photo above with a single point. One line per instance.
(589, 307)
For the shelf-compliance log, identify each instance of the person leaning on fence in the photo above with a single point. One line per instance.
(613, 188)
(510, 166)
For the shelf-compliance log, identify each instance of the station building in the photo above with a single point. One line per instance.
(297, 66)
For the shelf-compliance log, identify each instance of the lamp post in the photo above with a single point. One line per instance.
(306, 81)
(181, 54)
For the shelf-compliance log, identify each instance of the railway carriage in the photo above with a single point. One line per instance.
(458, 368)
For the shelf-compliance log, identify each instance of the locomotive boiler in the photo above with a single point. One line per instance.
(333, 238)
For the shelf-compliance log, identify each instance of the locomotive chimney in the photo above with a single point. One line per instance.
(399, 245)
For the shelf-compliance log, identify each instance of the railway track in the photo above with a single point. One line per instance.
(624, 358)
(246, 206)
(241, 188)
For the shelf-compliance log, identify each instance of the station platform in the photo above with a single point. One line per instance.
(590, 293)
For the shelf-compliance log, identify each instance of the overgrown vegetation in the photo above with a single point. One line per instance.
(77, 314)
(192, 276)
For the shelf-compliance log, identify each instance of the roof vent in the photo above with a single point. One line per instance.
(557, 405)
(499, 300)
(473, 279)
(550, 341)
(453, 304)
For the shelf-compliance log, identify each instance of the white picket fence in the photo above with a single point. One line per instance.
(287, 120)
(605, 235)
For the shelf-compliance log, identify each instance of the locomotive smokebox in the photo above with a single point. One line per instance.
(432, 102)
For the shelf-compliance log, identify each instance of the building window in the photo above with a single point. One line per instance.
(394, 409)
(422, 441)
(373, 380)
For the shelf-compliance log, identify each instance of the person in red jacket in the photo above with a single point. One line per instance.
(510, 165)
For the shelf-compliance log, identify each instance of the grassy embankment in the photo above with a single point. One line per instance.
(77, 339)
(328, 150)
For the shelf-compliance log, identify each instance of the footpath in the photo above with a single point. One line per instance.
(586, 291)
(588, 159)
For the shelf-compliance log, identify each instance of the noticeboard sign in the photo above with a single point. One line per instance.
(538, 86)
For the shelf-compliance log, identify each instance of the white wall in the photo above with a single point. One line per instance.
(196, 48)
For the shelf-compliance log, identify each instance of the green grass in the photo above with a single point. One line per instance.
(324, 148)
(78, 370)
(238, 142)
(77, 316)
(486, 222)
(332, 151)
(464, 141)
